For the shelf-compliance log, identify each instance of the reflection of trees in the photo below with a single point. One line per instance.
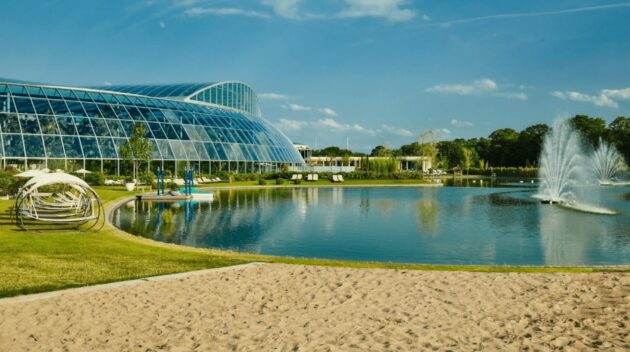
(565, 235)
(427, 213)
(384, 205)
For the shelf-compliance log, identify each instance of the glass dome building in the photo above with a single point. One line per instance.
(207, 126)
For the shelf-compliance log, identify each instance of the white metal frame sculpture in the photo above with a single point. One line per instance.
(59, 199)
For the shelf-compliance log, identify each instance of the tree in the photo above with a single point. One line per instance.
(467, 154)
(591, 128)
(619, 135)
(137, 148)
(503, 147)
(529, 144)
(380, 150)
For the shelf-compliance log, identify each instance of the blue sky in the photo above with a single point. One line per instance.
(375, 71)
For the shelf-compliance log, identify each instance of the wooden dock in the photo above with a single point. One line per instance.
(162, 198)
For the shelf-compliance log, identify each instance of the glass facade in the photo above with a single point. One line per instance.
(185, 122)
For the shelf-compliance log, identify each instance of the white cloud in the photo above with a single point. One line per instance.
(484, 86)
(396, 130)
(389, 9)
(621, 94)
(460, 123)
(598, 100)
(162, 24)
(284, 8)
(328, 111)
(426, 18)
(333, 126)
(224, 11)
(296, 107)
(273, 96)
(291, 125)
(444, 131)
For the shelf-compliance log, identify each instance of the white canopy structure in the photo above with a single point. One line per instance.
(58, 198)
(29, 173)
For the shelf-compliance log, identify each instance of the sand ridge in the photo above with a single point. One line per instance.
(275, 307)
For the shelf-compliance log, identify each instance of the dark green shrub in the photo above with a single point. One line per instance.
(262, 181)
(279, 181)
(173, 186)
(95, 179)
(297, 181)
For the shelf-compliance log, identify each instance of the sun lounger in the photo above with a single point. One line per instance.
(315, 177)
(294, 177)
(309, 177)
(334, 178)
(299, 176)
(340, 178)
(178, 181)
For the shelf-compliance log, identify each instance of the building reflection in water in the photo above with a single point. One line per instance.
(428, 212)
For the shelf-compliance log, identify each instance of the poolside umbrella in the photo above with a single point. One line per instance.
(29, 173)
(82, 172)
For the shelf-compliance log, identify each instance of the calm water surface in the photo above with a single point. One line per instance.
(445, 225)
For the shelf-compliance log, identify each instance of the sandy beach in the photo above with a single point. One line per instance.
(307, 308)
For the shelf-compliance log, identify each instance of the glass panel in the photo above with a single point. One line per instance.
(90, 147)
(107, 111)
(180, 133)
(157, 130)
(100, 127)
(13, 147)
(42, 107)
(23, 105)
(35, 146)
(212, 153)
(76, 108)
(116, 128)
(29, 123)
(190, 149)
(108, 149)
(72, 147)
(201, 131)
(201, 150)
(165, 149)
(192, 132)
(168, 129)
(54, 148)
(220, 151)
(48, 124)
(66, 125)
(84, 126)
(178, 150)
(10, 123)
(91, 110)
(59, 107)
(127, 126)
(155, 153)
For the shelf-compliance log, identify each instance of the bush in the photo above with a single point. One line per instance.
(173, 186)
(280, 181)
(297, 181)
(262, 182)
(95, 179)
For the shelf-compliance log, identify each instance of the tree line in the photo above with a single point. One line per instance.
(504, 147)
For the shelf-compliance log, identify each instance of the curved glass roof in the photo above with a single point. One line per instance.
(49, 122)
(182, 90)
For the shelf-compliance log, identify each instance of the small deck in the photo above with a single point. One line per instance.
(162, 198)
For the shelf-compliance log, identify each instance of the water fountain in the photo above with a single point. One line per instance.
(607, 164)
(561, 163)
(567, 174)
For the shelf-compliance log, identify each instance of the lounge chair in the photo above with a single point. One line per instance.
(315, 177)
(294, 177)
(340, 178)
(299, 176)
(178, 181)
(334, 178)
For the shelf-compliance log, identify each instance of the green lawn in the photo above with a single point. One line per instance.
(43, 261)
